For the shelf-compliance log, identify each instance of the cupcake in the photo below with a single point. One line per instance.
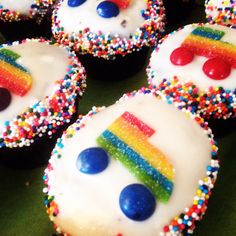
(39, 84)
(125, 170)
(113, 35)
(221, 12)
(197, 66)
(20, 19)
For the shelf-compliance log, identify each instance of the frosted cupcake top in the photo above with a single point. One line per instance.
(14, 10)
(34, 88)
(202, 54)
(131, 174)
(105, 16)
(221, 11)
(108, 28)
(197, 65)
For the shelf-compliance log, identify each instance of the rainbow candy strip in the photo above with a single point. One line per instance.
(126, 139)
(205, 41)
(13, 76)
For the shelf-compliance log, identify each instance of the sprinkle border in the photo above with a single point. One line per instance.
(109, 46)
(214, 102)
(226, 15)
(183, 223)
(56, 109)
(39, 9)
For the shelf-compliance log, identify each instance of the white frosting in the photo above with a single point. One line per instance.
(89, 204)
(22, 6)
(74, 19)
(46, 64)
(161, 64)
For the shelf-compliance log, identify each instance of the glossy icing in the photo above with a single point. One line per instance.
(56, 79)
(40, 59)
(85, 16)
(114, 31)
(76, 201)
(196, 65)
(11, 10)
(193, 71)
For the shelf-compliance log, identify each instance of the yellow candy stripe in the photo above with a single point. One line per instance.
(136, 140)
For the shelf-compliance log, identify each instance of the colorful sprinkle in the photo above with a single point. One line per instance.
(214, 102)
(184, 222)
(108, 46)
(48, 114)
(221, 12)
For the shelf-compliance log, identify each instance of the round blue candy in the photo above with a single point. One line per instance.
(107, 9)
(92, 160)
(75, 3)
(137, 202)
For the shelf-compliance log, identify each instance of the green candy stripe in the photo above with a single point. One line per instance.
(159, 192)
(13, 55)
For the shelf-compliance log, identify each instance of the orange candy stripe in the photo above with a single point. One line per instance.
(14, 79)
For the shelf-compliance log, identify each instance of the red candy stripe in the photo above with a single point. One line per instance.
(133, 120)
(121, 3)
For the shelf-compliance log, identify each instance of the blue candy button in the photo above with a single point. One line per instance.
(92, 160)
(75, 3)
(107, 9)
(137, 202)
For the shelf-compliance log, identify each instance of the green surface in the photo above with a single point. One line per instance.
(22, 211)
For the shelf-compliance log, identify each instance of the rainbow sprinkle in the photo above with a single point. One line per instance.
(126, 139)
(13, 76)
(205, 41)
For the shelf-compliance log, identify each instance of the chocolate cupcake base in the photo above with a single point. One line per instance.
(33, 156)
(177, 10)
(120, 68)
(19, 30)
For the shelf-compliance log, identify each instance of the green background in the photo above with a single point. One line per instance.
(22, 211)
